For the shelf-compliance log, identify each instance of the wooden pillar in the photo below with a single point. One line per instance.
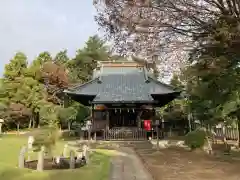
(107, 118)
(95, 133)
(90, 126)
(153, 121)
(139, 118)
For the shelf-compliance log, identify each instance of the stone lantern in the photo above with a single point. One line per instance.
(89, 128)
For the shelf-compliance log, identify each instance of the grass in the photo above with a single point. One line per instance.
(10, 146)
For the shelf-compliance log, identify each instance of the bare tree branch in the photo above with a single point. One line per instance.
(171, 27)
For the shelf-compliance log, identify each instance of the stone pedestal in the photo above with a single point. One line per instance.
(30, 146)
(65, 150)
(21, 158)
(86, 153)
(40, 164)
(72, 160)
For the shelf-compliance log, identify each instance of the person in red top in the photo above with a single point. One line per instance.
(147, 125)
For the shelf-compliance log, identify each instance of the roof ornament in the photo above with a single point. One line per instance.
(145, 74)
(100, 68)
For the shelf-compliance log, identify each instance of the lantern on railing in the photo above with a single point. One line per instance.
(100, 107)
(147, 107)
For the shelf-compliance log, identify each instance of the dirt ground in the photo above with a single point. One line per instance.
(128, 166)
(179, 164)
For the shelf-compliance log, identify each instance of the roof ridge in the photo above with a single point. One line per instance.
(82, 85)
(159, 82)
(145, 74)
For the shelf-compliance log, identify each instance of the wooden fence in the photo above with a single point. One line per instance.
(125, 134)
(230, 133)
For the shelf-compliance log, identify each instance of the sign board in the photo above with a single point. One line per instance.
(84, 128)
(88, 125)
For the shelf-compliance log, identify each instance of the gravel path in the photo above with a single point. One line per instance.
(128, 166)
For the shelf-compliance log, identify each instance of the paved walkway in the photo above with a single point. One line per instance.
(128, 166)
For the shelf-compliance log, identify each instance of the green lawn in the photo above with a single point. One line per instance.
(10, 146)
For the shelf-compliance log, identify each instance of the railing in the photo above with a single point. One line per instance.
(123, 133)
(230, 133)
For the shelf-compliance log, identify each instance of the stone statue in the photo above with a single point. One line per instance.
(30, 142)
(65, 150)
(40, 164)
(21, 159)
(86, 153)
(72, 160)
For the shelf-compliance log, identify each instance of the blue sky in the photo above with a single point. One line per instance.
(33, 26)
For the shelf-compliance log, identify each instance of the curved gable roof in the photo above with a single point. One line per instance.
(124, 85)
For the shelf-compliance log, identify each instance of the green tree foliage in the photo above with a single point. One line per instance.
(15, 89)
(214, 73)
(31, 95)
(47, 137)
(81, 67)
(61, 58)
(210, 31)
(178, 108)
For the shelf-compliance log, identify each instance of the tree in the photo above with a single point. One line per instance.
(49, 115)
(178, 108)
(68, 115)
(55, 80)
(169, 27)
(61, 58)
(14, 91)
(32, 95)
(81, 67)
(213, 76)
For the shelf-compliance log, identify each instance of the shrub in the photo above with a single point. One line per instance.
(195, 139)
(46, 137)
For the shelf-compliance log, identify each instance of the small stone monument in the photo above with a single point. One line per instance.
(89, 127)
(79, 158)
(65, 150)
(86, 153)
(72, 160)
(58, 159)
(30, 146)
(40, 164)
(1, 123)
(30, 142)
(21, 159)
(79, 155)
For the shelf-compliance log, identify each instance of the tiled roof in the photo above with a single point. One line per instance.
(122, 84)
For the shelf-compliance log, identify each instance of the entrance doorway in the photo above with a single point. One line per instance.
(122, 118)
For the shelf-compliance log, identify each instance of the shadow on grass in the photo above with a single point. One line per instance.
(98, 169)
(10, 173)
